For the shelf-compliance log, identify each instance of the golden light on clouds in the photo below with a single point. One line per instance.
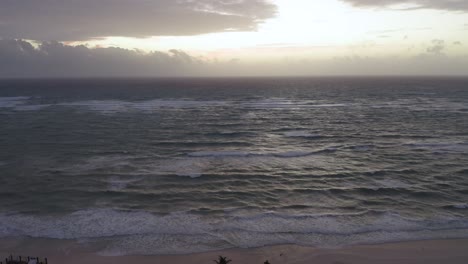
(318, 29)
(281, 33)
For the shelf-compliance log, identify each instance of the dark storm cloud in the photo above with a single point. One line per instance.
(19, 58)
(453, 5)
(83, 19)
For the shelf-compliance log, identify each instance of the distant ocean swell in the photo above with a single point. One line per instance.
(24, 103)
(165, 167)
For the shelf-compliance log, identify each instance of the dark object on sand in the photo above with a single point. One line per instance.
(22, 260)
(222, 260)
(266, 262)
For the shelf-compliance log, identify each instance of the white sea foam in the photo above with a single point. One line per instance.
(299, 133)
(117, 183)
(136, 232)
(221, 154)
(93, 223)
(274, 103)
(423, 104)
(152, 104)
(31, 107)
(330, 105)
(12, 102)
(116, 106)
(240, 154)
(120, 170)
(283, 103)
(128, 170)
(113, 106)
(20, 103)
(103, 106)
(293, 154)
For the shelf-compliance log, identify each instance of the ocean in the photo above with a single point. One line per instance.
(176, 166)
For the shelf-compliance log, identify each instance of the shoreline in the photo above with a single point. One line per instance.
(451, 251)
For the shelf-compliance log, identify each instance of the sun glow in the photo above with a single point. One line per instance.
(317, 29)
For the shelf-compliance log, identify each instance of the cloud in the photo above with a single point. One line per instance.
(452, 5)
(423, 64)
(20, 59)
(437, 46)
(84, 19)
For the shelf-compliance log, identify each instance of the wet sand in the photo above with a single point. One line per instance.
(427, 252)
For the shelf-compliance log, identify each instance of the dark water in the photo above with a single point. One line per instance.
(189, 165)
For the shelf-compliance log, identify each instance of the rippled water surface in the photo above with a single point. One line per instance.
(189, 165)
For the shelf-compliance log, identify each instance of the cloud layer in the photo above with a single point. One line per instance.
(453, 5)
(19, 59)
(84, 19)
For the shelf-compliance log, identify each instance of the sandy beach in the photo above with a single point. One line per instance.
(427, 252)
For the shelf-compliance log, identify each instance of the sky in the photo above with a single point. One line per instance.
(168, 38)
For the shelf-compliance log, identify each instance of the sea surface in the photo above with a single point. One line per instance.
(175, 166)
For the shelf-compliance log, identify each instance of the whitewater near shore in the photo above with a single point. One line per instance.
(158, 167)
